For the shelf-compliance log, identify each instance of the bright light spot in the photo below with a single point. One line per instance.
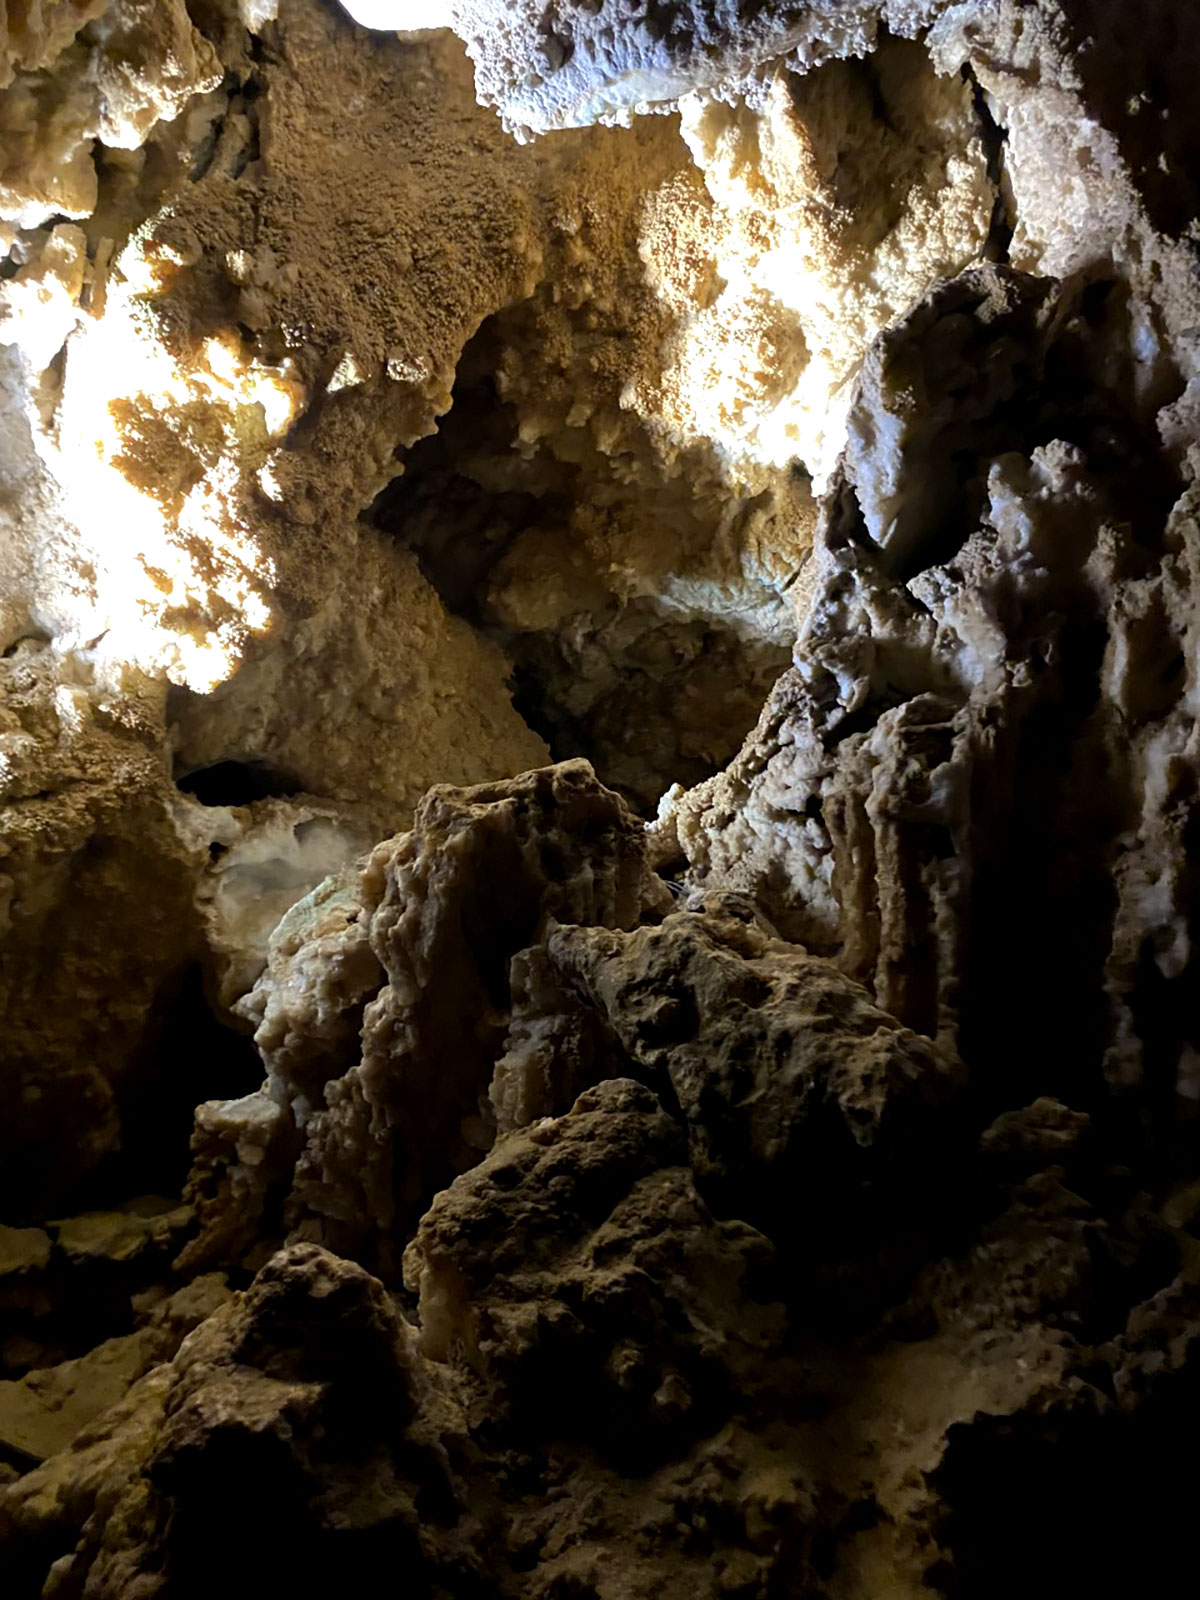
(347, 374)
(156, 456)
(72, 706)
(775, 284)
(38, 307)
(402, 368)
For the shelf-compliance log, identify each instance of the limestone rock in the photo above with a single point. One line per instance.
(379, 652)
(240, 1153)
(305, 1396)
(311, 1391)
(307, 1007)
(96, 917)
(24, 1256)
(44, 1412)
(580, 1245)
(1038, 1135)
(234, 526)
(383, 1008)
(482, 872)
(884, 810)
(118, 1236)
(38, 306)
(809, 1112)
(44, 1513)
(351, 449)
(23, 1250)
(265, 858)
(698, 372)
(572, 63)
(33, 36)
(75, 617)
(148, 63)
(136, 65)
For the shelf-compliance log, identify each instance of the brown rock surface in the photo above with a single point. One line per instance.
(809, 1112)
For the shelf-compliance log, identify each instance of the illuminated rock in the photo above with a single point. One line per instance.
(381, 1011)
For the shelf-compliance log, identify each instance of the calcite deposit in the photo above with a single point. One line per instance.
(599, 781)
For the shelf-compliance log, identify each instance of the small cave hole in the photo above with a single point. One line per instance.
(236, 783)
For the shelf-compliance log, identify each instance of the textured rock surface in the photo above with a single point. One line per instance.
(381, 1012)
(896, 806)
(797, 1195)
(96, 917)
(604, 1389)
(799, 1097)
(574, 62)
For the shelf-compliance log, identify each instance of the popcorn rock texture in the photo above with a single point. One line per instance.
(571, 63)
(598, 798)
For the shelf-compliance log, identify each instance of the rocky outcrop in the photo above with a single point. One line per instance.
(492, 937)
(956, 744)
(800, 1099)
(574, 63)
(94, 841)
(96, 919)
(578, 1265)
(308, 1377)
(578, 1260)
(604, 1390)
(381, 1013)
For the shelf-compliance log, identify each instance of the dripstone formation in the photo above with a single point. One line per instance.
(599, 794)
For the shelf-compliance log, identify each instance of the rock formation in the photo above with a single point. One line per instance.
(598, 798)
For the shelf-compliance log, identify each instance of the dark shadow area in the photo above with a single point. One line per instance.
(194, 1058)
(650, 696)
(236, 783)
(1035, 1014)
(1139, 65)
(1075, 1501)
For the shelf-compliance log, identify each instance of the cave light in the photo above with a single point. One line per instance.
(149, 459)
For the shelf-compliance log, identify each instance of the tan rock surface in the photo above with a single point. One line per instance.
(43, 1413)
(370, 995)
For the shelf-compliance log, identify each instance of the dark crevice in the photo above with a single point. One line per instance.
(236, 783)
(195, 1058)
(620, 681)
(1000, 229)
(1076, 1499)
(1035, 1018)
